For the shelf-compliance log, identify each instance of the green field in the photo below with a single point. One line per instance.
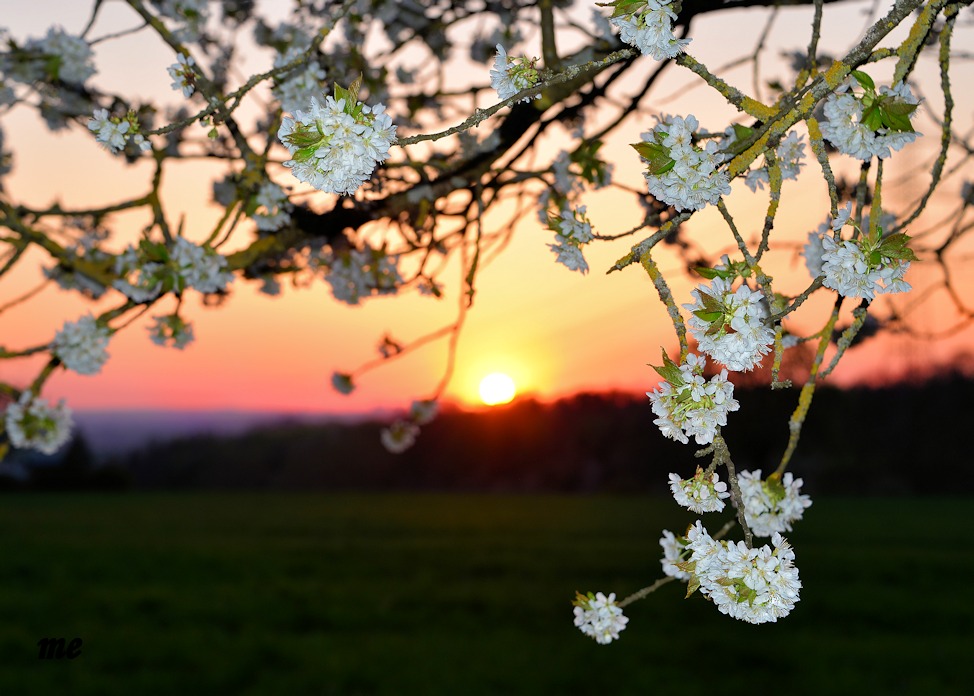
(429, 594)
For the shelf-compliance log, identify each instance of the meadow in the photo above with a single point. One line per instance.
(248, 593)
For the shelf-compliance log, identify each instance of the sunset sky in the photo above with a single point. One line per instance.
(553, 331)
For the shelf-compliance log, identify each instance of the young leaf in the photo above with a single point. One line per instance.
(708, 273)
(864, 80)
(656, 155)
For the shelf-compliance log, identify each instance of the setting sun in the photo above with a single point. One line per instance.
(497, 388)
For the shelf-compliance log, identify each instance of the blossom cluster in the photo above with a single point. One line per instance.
(859, 268)
(183, 74)
(151, 269)
(869, 125)
(572, 230)
(82, 345)
(772, 504)
(756, 585)
(114, 132)
(512, 75)
(273, 208)
(359, 273)
(171, 330)
(31, 423)
(678, 172)
(687, 404)
(702, 493)
(336, 145)
(57, 56)
(297, 88)
(649, 27)
(599, 617)
(731, 326)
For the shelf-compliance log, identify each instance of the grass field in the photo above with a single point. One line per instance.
(393, 594)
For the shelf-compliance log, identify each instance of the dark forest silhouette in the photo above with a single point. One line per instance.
(858, 441)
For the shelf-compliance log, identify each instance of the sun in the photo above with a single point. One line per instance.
(497, 388)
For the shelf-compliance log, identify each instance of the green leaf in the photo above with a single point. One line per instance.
(864, 80)
(896, 122)
(669, 371)
(657, 157)
(708, 273)
(304, 154)
(742, 133)
(303, 138)
(710, 303)
(872, 118)
(708, 317)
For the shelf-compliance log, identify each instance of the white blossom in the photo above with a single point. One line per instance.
(359, 273)
(72, 56)
(771, 505)
(570, 255)
(171, 330)
(113, 132)
(690, 180)
(423, 412)
(199, 266)
(297, 88)
(599, 617)
(690, 406)
(844, 128)
(731, 326)
(674, 551)
(183, 74)
(81, 345)
(399, 436)
(273, 207)
(335, 146)
(651, 30)
(850, 270)
(512, 75)
(700, 493)
(33, 424)
(756, 585)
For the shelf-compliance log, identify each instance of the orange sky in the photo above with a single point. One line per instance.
(555, 332)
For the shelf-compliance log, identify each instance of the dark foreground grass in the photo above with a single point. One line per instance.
(395, 594)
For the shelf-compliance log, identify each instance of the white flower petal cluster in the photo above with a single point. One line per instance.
(844, 128)
(140, 280)
(190, 14)
(570, 256)
(849, 271)
(742, 336)
(72, 56)
(183, 74)
(114, 132)
(33, 424)
(674, 551)
(790, 153)
(813, 250)
(399, 436)
(300, 86)
(171, 330)
(511, 75)
(423, 412)
(82, 345)
(700, 493)
(572, 229)
(754, 585)
(599, 617)
(199, 266)
(273, 211)
(360, 273)
(651, 30)
(693, 180)
(336, 145)
(692, 406)
(771, 506)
